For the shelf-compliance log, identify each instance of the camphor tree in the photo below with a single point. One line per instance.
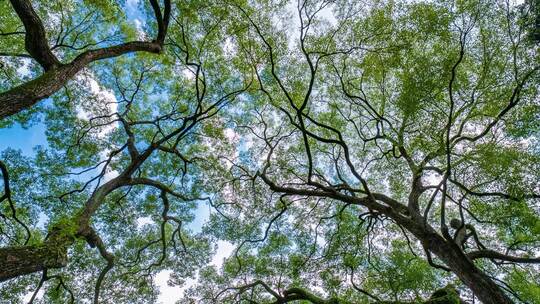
(129, 152)
(375, 152)
(392, 147)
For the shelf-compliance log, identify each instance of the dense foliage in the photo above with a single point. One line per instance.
(351, 151)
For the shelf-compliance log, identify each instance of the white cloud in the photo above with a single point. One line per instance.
(105, 99)
(223, 251)
(141, 35)
(230, 134)
(134, 15)
(169, 294)
(104, 94)
(24, 69)
(432, 178)
(189, 74)
(142, 221)
(28, 296)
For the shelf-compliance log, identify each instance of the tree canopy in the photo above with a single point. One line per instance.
(373, 151)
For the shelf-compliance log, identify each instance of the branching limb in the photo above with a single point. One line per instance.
(58, 74)
(494, 255)
(7, 196)
(95, 241)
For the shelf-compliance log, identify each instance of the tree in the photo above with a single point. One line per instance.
(530, 19)
(392, 119)
(104, 171)
(354, 152)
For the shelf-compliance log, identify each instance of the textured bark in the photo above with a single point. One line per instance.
(52, 253)
(17, 261)
(26, 95)
(35, 40)
(57, 74)
(483, 286)
(490, 254)
(29, 93)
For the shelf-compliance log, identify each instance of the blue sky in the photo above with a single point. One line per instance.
(19, 138)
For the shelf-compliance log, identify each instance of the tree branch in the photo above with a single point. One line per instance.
(57, 74)
(491, 254)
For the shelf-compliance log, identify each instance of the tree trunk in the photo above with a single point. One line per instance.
(483, 287)
(452, 255)
(52, 253)
(22, 260)
(26, 95)
(57, 74)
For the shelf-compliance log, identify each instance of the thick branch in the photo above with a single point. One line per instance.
(491, 254)
(17, 261)
(57, 75)
(35, 40)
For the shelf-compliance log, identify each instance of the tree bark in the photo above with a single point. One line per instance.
(35, 40)
(52, 253)
(451, 254)
(26, 95)
(57, 74)
(482, 286)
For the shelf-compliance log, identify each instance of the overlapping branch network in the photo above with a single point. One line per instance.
(140, 139)
(365, 133)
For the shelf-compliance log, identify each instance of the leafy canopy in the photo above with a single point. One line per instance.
(332, 141)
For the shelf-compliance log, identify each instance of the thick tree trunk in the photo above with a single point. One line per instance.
(22, 260)
(483, 287)
(57, 74)
(35, 40)
(26, 95)
(453, 256)
(52, 253)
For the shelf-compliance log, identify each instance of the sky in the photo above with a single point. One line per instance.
(26, 139)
